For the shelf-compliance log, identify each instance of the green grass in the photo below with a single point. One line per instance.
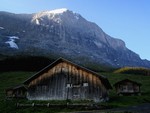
(122, 101)
(9, 79)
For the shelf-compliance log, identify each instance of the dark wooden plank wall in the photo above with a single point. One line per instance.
(135, 87)
(52, 85)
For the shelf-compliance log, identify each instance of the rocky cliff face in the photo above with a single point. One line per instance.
(63, 33)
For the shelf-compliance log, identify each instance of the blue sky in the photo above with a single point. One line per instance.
(128, 20)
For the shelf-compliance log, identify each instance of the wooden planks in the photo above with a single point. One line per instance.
(53, 84)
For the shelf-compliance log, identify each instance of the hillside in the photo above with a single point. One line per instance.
(36, 63)
(24, 63)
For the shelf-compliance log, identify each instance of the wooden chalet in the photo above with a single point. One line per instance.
(63, 80)
(16, 92)
(127, 87)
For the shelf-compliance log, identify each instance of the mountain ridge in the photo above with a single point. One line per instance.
(63, 33)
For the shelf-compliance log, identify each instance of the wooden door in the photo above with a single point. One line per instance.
(76, 93)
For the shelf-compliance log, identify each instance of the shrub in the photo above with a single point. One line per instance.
(134, 70)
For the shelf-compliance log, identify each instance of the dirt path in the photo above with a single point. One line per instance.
(143, 108)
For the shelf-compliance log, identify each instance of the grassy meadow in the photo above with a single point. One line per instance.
(123, 101)
(8, 79)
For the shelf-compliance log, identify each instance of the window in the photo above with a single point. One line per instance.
(76, 85)
(41, 88)
(38, 88)
(64, 69)
(130, 87)
(124, 88)
(85, 84)
(136, 88)
(44, 87)
(69, 85)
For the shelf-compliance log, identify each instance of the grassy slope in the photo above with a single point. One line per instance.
(120, 101)
(8, 79)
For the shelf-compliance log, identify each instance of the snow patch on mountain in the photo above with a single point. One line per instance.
(12, 43)
(98, 44)
(76, 16)
(37, 22)
(1, 27)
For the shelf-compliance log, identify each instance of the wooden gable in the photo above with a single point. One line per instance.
(63, 65)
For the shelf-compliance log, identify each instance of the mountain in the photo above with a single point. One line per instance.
(63, 33)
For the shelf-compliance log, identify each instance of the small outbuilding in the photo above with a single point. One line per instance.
(16, 92)
(64, 80)
(127, 87)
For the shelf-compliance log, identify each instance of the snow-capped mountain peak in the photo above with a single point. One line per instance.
(53, 14)
(57, 11)
(50, 13)
(57, 15)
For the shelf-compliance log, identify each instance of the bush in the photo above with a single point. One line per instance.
(134, 70)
